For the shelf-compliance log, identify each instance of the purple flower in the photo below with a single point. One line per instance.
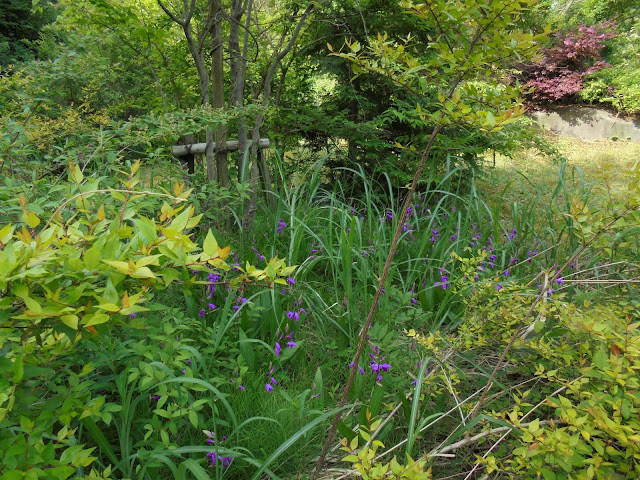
(385, 367)
(226, 461)
(212, 306)
(277, 349)
(291, 281)
(291, 344)
(302, 310)
(132, 315)
(281, 225)
(414, 301)
(241, 387)
(361, 370)
(155, 398)
(293, 315)
(498, 287)
(268, 387)
(506, 273)
(184, 371)
(379, 378)
(201, 313)
(453, 238)
(273, 380)
(559, 281)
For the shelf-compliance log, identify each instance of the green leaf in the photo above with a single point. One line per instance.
(210, 245)
(70, 321)
(18, 369)
(97, 319)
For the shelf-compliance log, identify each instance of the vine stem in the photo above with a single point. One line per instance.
(376, 298)
(392, 250)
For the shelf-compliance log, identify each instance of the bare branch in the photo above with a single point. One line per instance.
(180, 22)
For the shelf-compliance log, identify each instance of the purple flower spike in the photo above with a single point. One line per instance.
(277, 349)
(268, 387)
(201, 313)
(273, 380)
(361, 370)
(241, 387)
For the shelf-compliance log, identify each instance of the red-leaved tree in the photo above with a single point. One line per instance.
(561, 73)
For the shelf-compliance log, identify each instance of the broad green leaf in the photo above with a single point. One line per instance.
(96, 319)
(210, 245)
(70, 321)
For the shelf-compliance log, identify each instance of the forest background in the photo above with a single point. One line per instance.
(409, 263)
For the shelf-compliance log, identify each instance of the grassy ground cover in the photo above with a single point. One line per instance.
(595, 165)
(205, 362)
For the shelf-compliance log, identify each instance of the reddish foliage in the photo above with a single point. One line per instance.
(565, 65)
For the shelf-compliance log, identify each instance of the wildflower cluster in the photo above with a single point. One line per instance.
(213, 456)
(376, 363)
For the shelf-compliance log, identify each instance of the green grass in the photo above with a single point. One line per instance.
(596, 166)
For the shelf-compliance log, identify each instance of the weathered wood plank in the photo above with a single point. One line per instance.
(231, 146)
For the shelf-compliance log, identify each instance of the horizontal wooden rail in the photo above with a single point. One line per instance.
(231, 146)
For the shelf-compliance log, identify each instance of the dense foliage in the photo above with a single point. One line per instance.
(593, 57)
(161, 324)
(562, 72)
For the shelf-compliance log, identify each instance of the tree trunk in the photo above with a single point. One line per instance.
(250, 212)
(238, 70)
(217, 86)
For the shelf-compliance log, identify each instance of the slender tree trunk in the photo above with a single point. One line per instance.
(250, 212)
(217, 87)
(238, 69)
